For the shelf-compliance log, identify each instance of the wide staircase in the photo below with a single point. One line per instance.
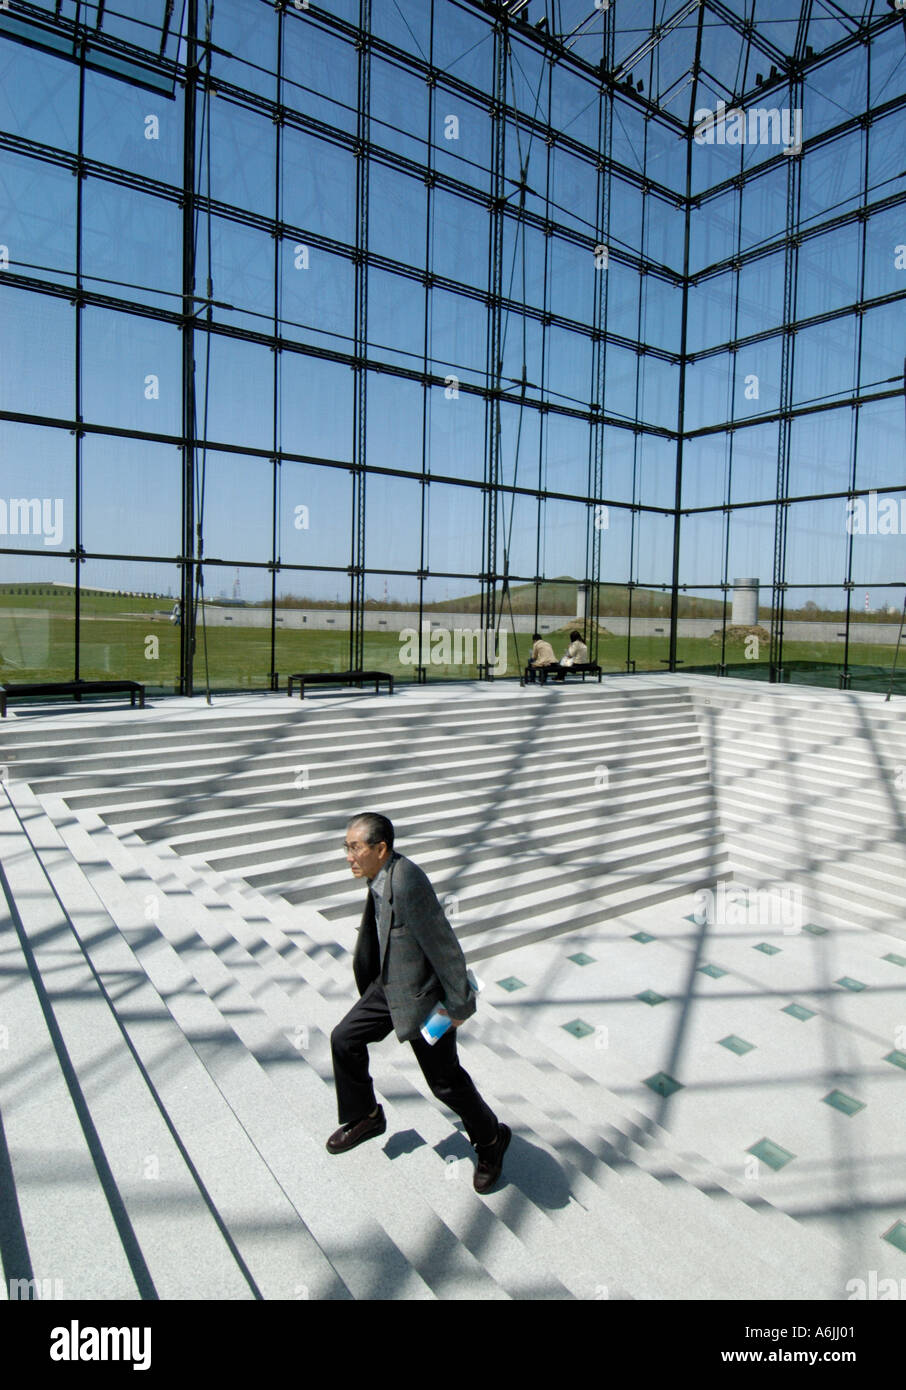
(811, 790)
(176, 950)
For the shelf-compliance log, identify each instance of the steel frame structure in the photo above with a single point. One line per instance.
(191, 77)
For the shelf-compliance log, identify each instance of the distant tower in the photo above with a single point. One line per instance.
(386, 594)
(237, 593)
(745, 602)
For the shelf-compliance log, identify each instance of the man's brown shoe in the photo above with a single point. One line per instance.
(356, 1132)
(490, 1160)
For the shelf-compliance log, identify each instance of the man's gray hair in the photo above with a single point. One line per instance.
(375, 828)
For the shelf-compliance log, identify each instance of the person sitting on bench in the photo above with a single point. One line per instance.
(542, 657)
(576, 654)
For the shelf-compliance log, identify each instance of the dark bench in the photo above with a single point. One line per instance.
(338, 678)
(580, 668)
(74, 688)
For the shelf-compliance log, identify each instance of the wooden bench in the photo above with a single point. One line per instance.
(338, 678)
(74, 688)
(580, 668)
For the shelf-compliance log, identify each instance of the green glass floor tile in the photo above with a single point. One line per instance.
(662, 1083)
(737, 1045)
(798, 1011)
(815, 930)
(895, 959)
(713, 970)
(579, 1028)
(847, 1105)
(767, 948)
(580, 958)
(849, 983)
(771, 1154)
(642, 936)
(897, 1235)
(511, 983)
(897, 1058)
(648, 996)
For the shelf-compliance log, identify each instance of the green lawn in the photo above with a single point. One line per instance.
(133, 638)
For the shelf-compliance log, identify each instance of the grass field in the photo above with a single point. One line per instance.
(128, 637)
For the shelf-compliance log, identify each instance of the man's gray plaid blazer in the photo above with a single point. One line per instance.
(413, 950)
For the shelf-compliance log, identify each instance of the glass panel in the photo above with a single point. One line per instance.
(836, 92)
(37, 618)
(763, 216)
(712, 306)
(406, 24)
(131, 372)
(393, 526)
(242, 151)
(242, 272)
(458, 337)
(662, 313)
(133, 129)
(238, 405)
(754, 463)
(245, 33)
(132, 245)
(396, 319)
(316, 406)
(873, 629)
(238, 511)
(37, 348)
(814, 632)
(461, 138)
(761, 295)
(566, 455)
(574, 106)
(821, 452)
(573, 190)
(395, 91)
(312, 619)
(751, 550)
(569, 367)
(882, 348)
(816, 543)
(315, 511)
(623, 288)
(705, 469)
(464, 46)
(237, 614)
(39, 96)
(573, 281)
(320, 74)
(877, 523)
(37, 510)
(396, 218)
(131, 496)
(564, 538)
(702, 544)
(126, 623)
(317, 184)
(454, 529)
(880, 444)
(828, 272)
(831, 178)
(713, 231)
(37, 219)
(885, 253)
(456, 433)
(395, 410)
(824, 361)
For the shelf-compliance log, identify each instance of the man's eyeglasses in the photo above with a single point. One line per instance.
(355, 849)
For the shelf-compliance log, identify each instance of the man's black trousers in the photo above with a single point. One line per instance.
(369, 1021)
